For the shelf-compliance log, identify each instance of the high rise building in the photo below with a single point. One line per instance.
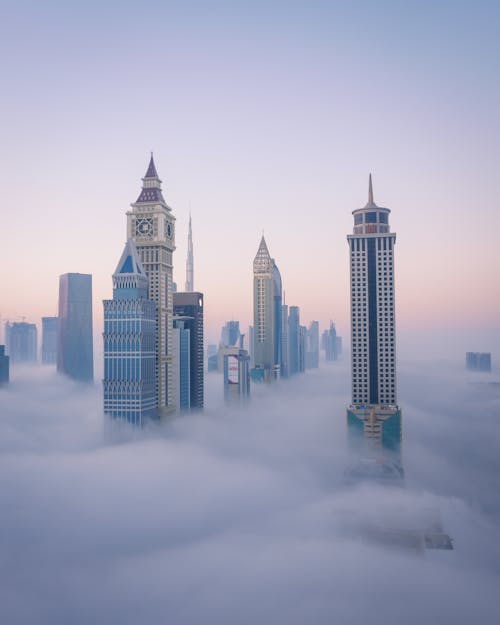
(49, 340)
(312, 346)
(182, 361)
(230, 333)
(191, 305)
(4, 366)
(477, 361)
(277, 332)
(129, 336)
(263, 314)
(250, 345)
(332, 343)
(285, 360)
(212, 352)
(293, 339)
(75, 352)
(302, 348)
(21, 342)
(190, 261)
(236, 375)
(374, 414)
(152, 226)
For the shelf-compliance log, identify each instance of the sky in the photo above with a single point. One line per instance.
(263, 116)
(243, 516)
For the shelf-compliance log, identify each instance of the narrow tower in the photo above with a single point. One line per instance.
(263, 313)
(374, 414)
(152, 226)
(190, 261)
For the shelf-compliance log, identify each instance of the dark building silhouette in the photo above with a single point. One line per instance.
(191, 305)
(4, 366)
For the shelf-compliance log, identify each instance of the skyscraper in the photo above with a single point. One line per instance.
(285, 359)
(374, 414)
(190, 305)
(152, 226)
(4, 366)
(236, 375)
(21, 342)
(263, 314)
(332, 343)
(190, 261)
(277, 332)
(477, 361)
(129, 336)
(302, 348)
(312, 346)
(293, 339)
(49, 340)
(75, 352)
(230, 333)
(182, 361)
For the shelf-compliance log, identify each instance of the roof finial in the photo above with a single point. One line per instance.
(370, 190)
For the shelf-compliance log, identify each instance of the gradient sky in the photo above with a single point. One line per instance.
(261, 115)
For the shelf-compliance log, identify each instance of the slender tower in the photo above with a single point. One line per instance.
(374, 416)
(263, 314)
(189, 261)
(152, 226)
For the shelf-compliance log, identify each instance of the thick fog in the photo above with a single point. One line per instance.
(244, 516)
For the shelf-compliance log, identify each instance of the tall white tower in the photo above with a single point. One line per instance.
(263, 313)
(152, 226)
(374, 411)
(190, 261)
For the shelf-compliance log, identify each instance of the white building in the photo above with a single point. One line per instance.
(152, 226)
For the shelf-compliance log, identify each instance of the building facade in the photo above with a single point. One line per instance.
(312, 348)
(182, 360)
(129, 337)
(49, 340)
(151, 225)
(190, 305)
(75, 352)
(263, 314)
(4, 366)
(478, 361)
(21, 342)
(236, 375)
(285, 359)
(294, 339)
(374, 412)
(277, 317)
(190, 261)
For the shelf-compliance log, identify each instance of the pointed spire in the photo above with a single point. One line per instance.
(262, 262)
(370, 203)
(130, 277)
(151, 171)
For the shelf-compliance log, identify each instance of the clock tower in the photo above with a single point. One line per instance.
(151, 225)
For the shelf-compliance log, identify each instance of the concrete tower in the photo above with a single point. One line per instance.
(263, 313)
(190, 261)
(373, 414)
(152, 226)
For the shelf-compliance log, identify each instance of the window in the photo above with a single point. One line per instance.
(371, 218)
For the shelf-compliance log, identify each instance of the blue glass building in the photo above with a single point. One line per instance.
(182, 362)
(49, 340)
(4, 366)
(277, 320)
(130, 343)
(21, 342)
(294, 339)
(75, 352)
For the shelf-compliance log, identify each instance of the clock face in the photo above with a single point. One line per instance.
(144, 228)
(168, 230)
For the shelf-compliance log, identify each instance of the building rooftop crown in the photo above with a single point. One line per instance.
(263, 262)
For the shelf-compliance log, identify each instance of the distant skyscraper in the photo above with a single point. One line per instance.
(263, 314)
(230, 333)
(191, 305)
(374, 413)
(284, 342)
(236, 375)
(190, 261)
(333, 343)
(250, 345)
(477, 361)
(277, 332)
(4, 366)
(49, 340)
(75, 353)
(302, 348)
(21, 342)
(129, 335)
(293, 339)
(182, 361)
(152, 225)
(212, 357)
(312, 346)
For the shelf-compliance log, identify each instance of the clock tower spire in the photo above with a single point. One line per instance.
(151, 225)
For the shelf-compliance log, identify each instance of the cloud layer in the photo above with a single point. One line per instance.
(243, 516)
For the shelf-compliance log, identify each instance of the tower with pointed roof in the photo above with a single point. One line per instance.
(129, 336)
(190, 261)
(374, 414)
(151, 225)
(265, 279)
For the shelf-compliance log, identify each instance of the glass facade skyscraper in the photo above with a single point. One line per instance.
(182, 362)
(75, 353)
(21, 342)
(294, 339)
(129, 336)
(374, 415)
(4, 366)
(49, 340)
